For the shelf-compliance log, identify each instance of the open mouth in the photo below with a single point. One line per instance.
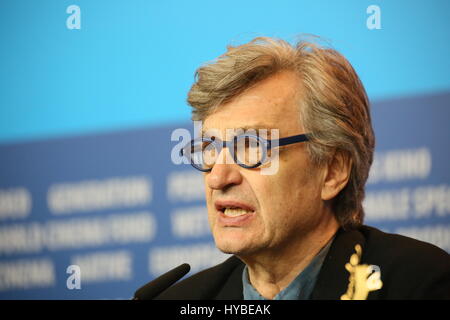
(235, 212)
(233, 209)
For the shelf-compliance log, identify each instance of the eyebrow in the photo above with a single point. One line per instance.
(255, 126)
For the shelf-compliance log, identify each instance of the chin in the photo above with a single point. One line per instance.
(235, 246)
(238, 241)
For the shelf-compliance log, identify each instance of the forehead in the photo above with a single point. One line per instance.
(273, 103)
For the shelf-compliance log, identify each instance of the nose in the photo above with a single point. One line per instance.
(224, 174)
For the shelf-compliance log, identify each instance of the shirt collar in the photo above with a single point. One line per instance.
(299, 289)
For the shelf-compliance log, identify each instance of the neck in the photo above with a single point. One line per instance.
(273, 270)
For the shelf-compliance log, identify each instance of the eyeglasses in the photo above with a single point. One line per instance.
(248, 150)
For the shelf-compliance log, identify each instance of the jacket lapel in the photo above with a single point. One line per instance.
(333, 278)
(232, 289)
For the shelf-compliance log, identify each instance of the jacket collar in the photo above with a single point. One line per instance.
(332, 281)
(233, 290)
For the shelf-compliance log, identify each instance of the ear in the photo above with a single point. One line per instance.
(337, 174)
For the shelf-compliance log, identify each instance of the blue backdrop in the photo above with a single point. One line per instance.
(91, 91)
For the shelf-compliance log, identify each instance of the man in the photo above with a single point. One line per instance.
(295, 233)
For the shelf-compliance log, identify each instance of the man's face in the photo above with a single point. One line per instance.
(274, 209)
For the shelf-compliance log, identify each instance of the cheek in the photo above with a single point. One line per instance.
(287, 192)
(209, 205)
(272, 193)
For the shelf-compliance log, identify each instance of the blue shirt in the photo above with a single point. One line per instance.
(299, 289)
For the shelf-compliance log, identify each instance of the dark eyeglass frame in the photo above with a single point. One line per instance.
(219, 145)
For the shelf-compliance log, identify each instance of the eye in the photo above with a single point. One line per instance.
(205, 145)
(249, 150)
(209, 153)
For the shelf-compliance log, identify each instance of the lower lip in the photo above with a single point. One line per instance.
(239, 221)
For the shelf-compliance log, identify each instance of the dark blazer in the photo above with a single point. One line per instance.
(410, 269)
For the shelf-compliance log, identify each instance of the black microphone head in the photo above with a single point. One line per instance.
(158, 285)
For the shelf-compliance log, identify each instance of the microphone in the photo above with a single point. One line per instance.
(158, 285)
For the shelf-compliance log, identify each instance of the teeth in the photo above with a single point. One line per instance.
(234, 212)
